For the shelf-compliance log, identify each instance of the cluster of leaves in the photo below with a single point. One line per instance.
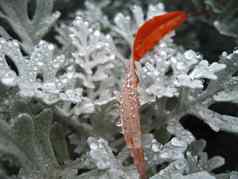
(223, 15)
(58, 105)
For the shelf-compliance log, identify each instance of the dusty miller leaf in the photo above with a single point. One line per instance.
(30, 30)
(168, 70)
(126, 25)
(197, 160)
(36, 75)
(57, 136)
(28, 140)
(104, 159)
(203, 175)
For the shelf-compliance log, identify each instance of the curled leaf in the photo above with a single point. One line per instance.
(153, 30)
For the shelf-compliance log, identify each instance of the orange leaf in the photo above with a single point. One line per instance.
(150, 33)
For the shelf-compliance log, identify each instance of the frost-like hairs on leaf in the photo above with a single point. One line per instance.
(28, 28)
(36, 74)
(167, 69)
(126, 26)
(96, 61)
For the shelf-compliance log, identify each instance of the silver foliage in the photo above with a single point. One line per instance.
(97, 62)
(83, 86)
(192, 176)
(192, 163)
(197, 159)
(24, 138)
(126, 25)
(157, 153)
(167, 70)
(105, 161)
(94, 50)
(230, 87)
(94, 12)
(183, 158)
(42, 62)
(29, 30)
(185, 83)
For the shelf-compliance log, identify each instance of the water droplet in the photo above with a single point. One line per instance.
(86, 23)
(15, 43)
(51, 47)
(224, 54)
(112, 57)
(163, 53)
(72, 36)
(64, 80)
(2, 41)
(97, 33)
(119, 123)
(155, 147)
(108, 37)
(164, 155)
(128, 18)
(93, 146)
(161, 6)
(190, 54)
(9, 79)
(146, 158)
(99, 46)
(40, 63)
(177, 142)
(100, 145)
(35, 68)
(56, 65)
(70, 75)
(179, 165)
(163, 45)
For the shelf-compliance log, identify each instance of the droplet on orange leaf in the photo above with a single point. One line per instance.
(150, 33)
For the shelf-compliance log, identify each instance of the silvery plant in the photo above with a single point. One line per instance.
(59, 98)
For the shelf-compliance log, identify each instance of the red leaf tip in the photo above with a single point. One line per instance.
(153, 30)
